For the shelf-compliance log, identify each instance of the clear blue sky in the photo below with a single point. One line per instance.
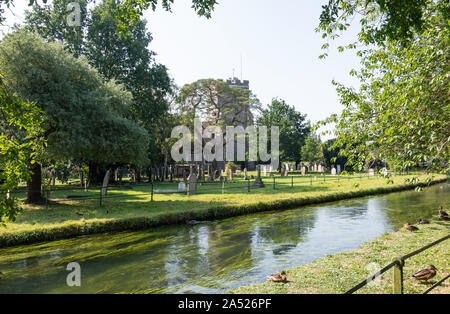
(275, 38)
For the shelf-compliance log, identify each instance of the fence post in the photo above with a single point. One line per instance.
(274, 182)
(397, 277)
(248, 185)
(223, 187)
(310, 178)
(292, 181)
(101, 196)
(152, 193)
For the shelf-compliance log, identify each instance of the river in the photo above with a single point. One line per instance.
(212, 257)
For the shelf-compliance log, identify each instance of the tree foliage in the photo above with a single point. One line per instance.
(86, 116)
(401, 113)
(312, 150)
(21, 141)
(294, 129)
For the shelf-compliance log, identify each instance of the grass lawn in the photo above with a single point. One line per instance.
(130, 208)
(338, 273)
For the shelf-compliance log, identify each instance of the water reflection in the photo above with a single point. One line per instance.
(215, 256)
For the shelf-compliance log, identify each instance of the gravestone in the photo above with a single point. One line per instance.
(333, 171)
(181, 187)
(258, 182)
(265, 171)
(338, 169)
(303, 171)
(105, 183)
(230, 174)
(371, 172)
(192, 182)
(210, 174)
(245, 174)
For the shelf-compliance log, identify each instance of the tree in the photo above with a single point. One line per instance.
(49, 21)
(380, 20)
(294, 128)
(401, 113)
(312, 150)
(85, 116)
(332, 155)
(21, 144)
(131, 10)
(125, 59)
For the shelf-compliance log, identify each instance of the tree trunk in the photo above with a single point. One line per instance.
(34, 185)
(96, 174)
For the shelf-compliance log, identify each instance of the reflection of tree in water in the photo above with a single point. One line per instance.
(229, 245)
(411, 206)
(286, 229)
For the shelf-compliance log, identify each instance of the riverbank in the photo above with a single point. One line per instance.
(335, 274)
(70, 218)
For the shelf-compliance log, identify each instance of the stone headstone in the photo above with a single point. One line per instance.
(258, 182)
(192, 183)
(230, 174)
(371, 172)
(333, 171)
(181, 187)
(303, 171)
(105, 183)
(338, 169)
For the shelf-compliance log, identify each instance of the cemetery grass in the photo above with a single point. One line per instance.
(336, 274)
(130, 208)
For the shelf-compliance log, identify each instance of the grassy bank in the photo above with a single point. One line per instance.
(340, 272)
(131, 209)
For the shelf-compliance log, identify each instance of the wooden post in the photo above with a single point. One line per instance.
(223, 187)
(274, 182)
(292, 181)
(152, 193)
(248, 185)
(397, 277)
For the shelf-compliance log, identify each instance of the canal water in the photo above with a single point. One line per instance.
(212, 257)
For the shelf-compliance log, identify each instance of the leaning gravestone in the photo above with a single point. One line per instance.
(105, 183)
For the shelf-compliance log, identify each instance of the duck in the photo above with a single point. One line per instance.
(410, 227)
(442, 213)
(281, 277)
(423, 222)
(425, 274)
(444, 218)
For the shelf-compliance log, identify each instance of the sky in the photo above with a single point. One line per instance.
(275, 39)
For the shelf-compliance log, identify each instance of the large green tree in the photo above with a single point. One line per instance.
(126, 59)
(294, 128)
(85, 116)
(401, 112)
(312, 150)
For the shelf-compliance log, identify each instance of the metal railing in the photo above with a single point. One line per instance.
(397, 264)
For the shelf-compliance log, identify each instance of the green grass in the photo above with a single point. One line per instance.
(338, 273)
(131, 209)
